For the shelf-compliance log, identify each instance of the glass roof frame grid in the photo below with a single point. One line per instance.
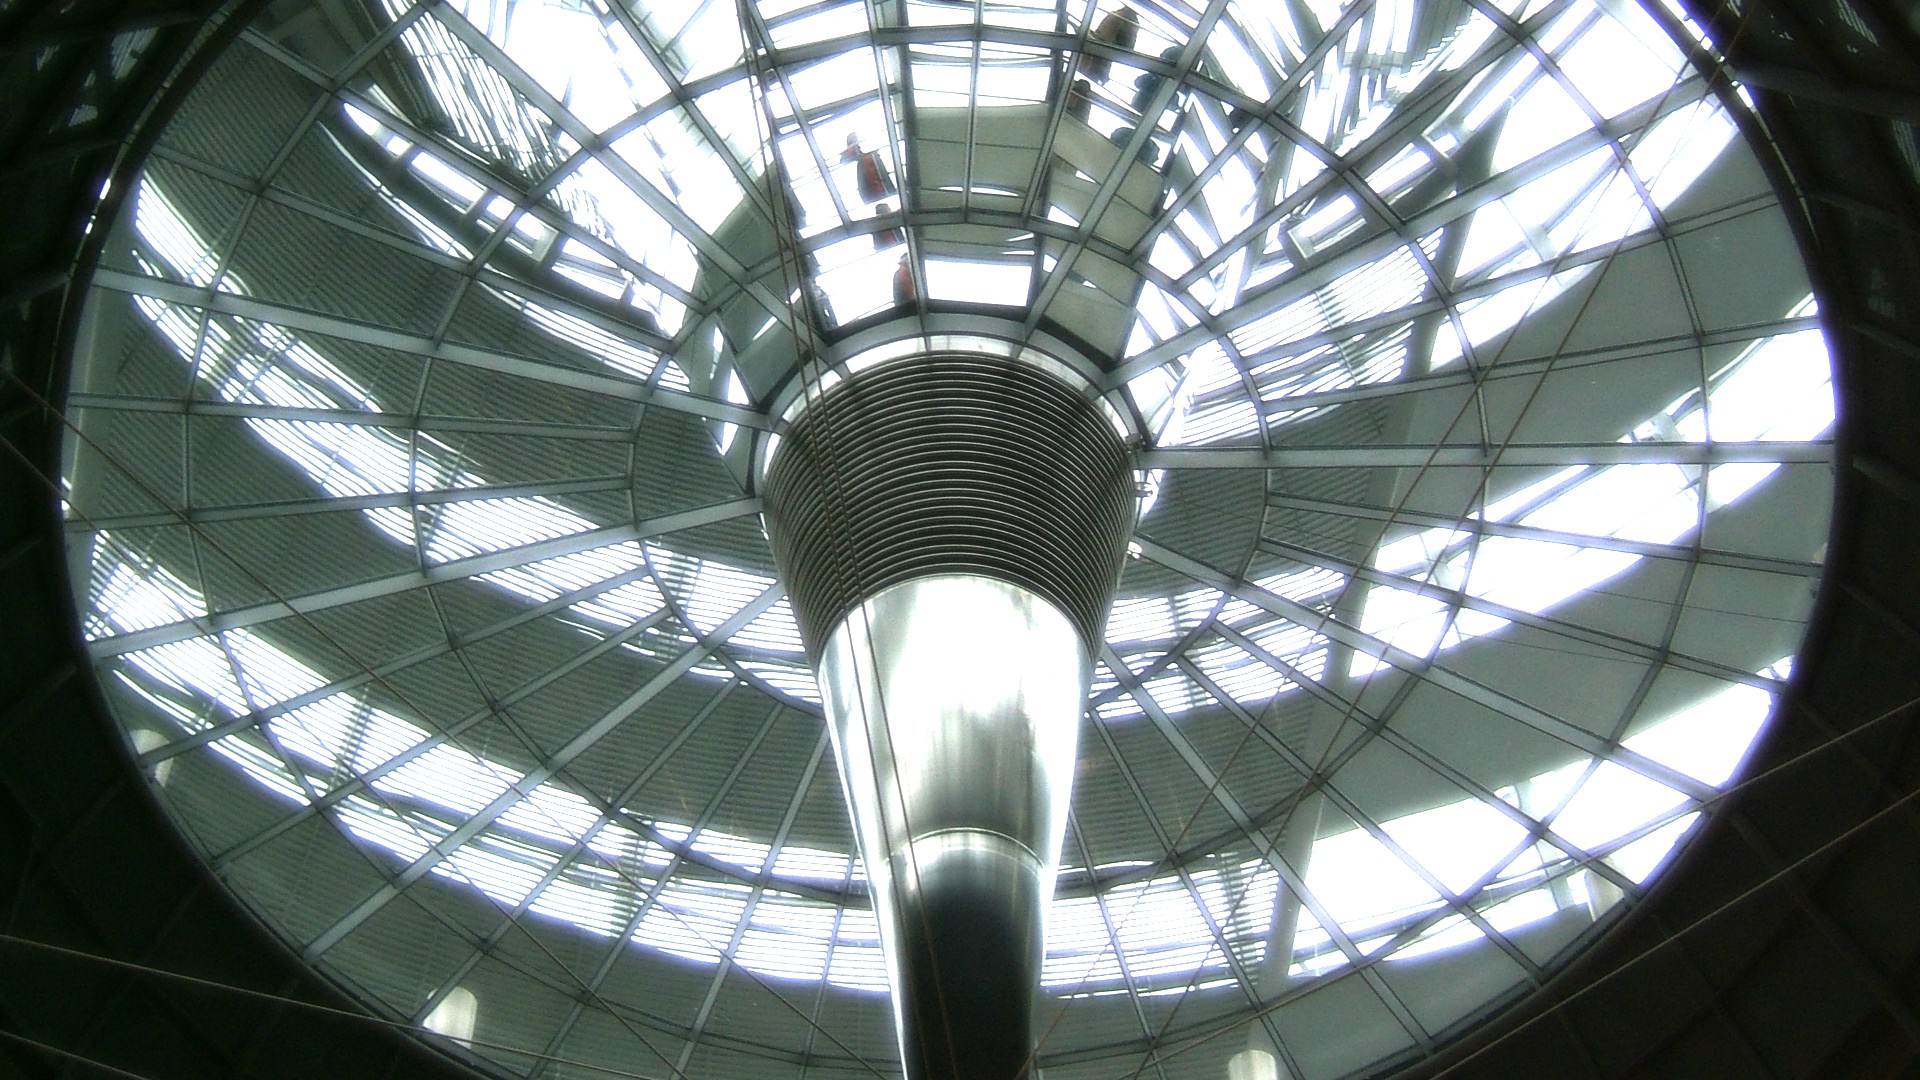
(1521, 531)
(424, 497)
(1082, 236)
(1542, 621)
(761, 881)
(1462, 600)
(1339, 168)
(1269, 112)
(1212, 782)
(1243, 979)
(1109, 189)
(646, 895)
(1450, 377)
(610, 384)
(582, 846)
(523, 199)
(365, 54)
(1169, 654)
(436, 573)
(1452, 902)
(883, 36)
(826, 963)
(900, 117)
(1183, 658)
(524, 202)
(550, 764)
(1550, 69)
(682, 855)
(1435, 672)
(395, 881)
(374, 673)
(1102, 899)
(590, 144)
(1365, 248)
(789, 250)
(1702, 506)
(447, 734)
(1320, 775)
(366, 780)
(1354, 253)
(680, 92)
(570, 985)
(731, 656)
(269, 193)
(415, 421)
(1360, 254)
(236, 666)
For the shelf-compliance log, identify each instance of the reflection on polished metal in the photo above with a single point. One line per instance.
(950, 528)
(954, 703)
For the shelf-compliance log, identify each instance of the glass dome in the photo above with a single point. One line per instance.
(1479, 404)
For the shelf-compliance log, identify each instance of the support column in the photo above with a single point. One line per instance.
(951, 527)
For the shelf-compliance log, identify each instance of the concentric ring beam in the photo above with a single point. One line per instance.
(1814, 452)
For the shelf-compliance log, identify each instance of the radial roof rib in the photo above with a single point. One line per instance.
(293, 318)
(1436, 673)
(1816, 452)
(1331, 478)
(556, 762)
(454, 570)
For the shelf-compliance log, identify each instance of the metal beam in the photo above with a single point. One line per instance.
(1426, 668)
(380, 673)
(1399, 515)
(78, 525)
(1371, 246)
(1464, 377)
(290, 317)
(1267, 850)
(1657, 654)
(454, 570)
(780, 834)
(1458, 903)
(540, 774)
(254, 410)
(1509, 455)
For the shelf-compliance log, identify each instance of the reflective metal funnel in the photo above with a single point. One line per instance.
(954, 703)
(950, 527)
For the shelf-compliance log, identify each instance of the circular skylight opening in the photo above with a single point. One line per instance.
(1483, 420)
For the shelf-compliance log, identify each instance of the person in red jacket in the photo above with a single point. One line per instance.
(870, 176)
(903, 290)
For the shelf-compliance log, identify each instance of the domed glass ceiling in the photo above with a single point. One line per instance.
(1483, 498)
